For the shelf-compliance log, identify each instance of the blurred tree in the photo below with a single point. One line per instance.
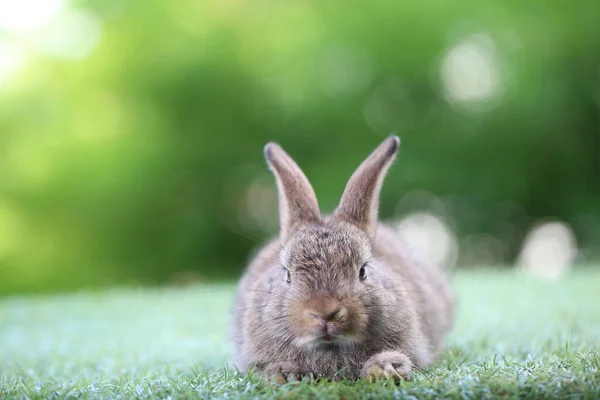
(144, 157)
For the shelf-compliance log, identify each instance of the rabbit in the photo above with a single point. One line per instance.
(340, 296)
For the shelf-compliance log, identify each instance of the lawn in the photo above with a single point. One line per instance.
(515, 337)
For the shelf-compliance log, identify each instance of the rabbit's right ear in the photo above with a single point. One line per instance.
(298, 205)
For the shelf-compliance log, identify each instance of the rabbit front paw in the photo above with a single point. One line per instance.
(387, 364)
(284, 371)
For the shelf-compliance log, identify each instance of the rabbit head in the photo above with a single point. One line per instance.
(329, 288)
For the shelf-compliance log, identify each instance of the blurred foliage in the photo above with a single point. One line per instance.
(145, 158)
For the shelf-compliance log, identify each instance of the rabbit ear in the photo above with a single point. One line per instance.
(298, 205)
(360, 201)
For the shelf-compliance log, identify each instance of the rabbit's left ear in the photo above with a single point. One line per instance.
(360, 202)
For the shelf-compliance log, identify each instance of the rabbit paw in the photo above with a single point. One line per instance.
(284, 371)
(387, 364)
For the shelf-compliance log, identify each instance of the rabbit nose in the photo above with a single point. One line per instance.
(330, 316)
(334, 314)
(321, 310)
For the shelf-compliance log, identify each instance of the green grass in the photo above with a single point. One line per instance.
(515, 337)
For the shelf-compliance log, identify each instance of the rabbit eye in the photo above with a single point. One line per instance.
(362, 274)
(288, 277)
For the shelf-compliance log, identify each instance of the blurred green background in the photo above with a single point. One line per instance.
(131, 132)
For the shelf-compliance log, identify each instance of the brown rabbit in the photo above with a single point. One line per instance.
(339, 296)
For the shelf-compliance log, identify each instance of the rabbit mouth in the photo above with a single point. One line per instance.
(328, 340)
(329, 334)
(313, 341)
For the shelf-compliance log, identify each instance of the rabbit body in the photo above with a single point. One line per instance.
(338, 297)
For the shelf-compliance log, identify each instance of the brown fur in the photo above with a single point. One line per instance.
(327, 321)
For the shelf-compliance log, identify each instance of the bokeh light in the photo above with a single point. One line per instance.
(25, 15)
(470, 72)
(72, 35)
(428, 235)
(549, 250)
(12, 59)
(258, 209)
